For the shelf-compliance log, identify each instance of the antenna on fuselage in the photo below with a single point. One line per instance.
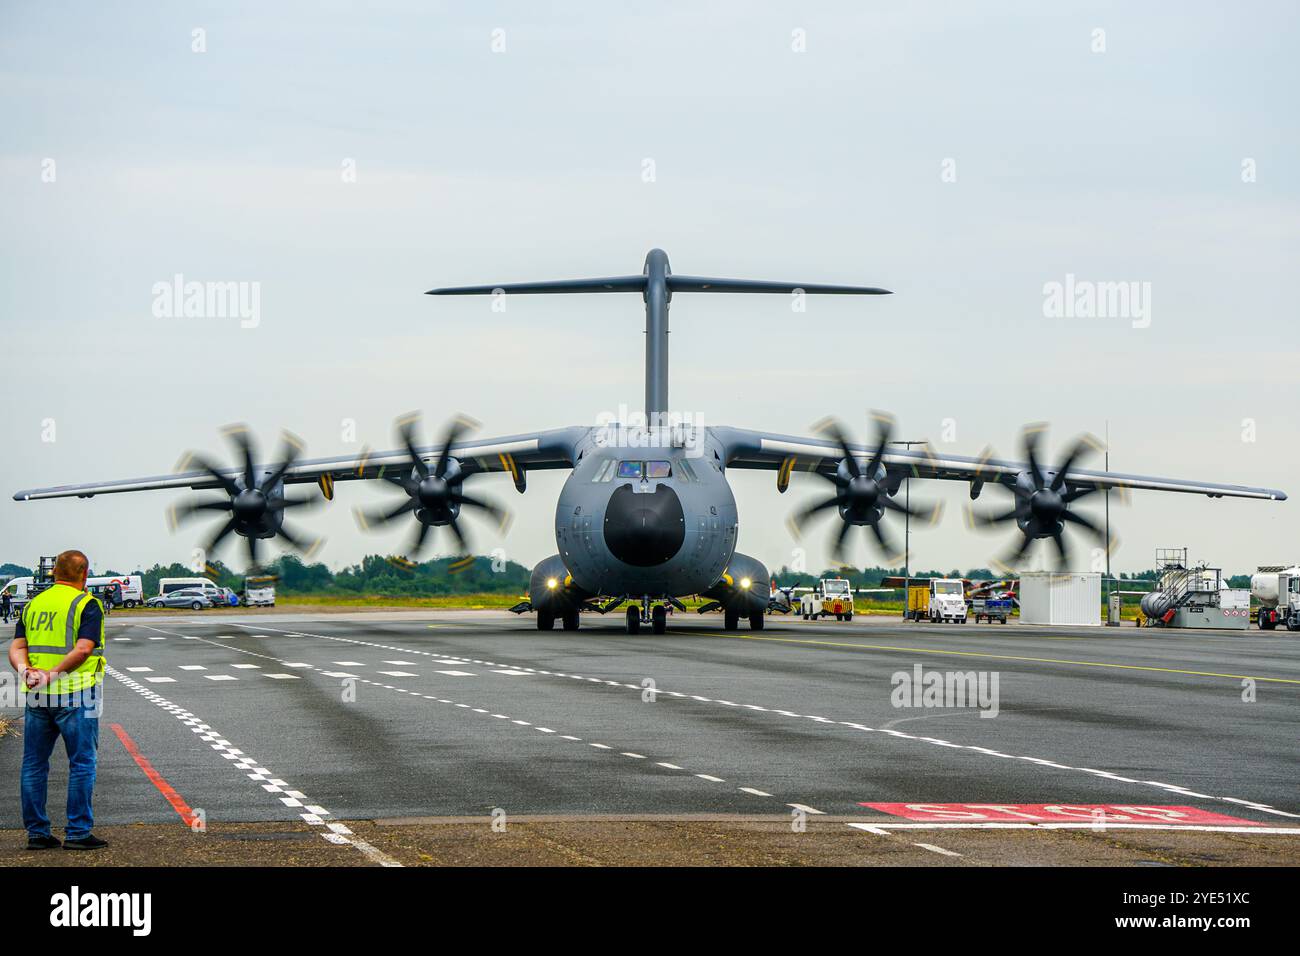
(657, 285)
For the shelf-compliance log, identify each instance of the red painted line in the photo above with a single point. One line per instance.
(1100, 813)
(157, 779)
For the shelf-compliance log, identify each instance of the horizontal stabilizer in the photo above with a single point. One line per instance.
(711, 284)
(674, 283)
(554, 286)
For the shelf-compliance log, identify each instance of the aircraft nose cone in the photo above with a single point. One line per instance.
(644, 530)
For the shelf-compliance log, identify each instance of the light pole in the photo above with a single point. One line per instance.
(907, 528)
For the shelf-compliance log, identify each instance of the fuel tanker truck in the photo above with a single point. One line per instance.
(1276, 589)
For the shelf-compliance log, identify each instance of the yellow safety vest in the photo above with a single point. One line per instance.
(51, 621)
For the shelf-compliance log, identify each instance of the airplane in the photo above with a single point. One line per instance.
(646, 515)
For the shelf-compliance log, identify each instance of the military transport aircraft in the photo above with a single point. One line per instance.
(646, 515)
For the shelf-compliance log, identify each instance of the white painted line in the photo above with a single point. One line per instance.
(512, 673)
(219, 677)
(806, 809)
(757, 793)
(628, 753)
(402, 663)
(337, 674)
(189, 667)
(668, 766)
(283, 676)
(247, 667)
(456, 673)
(602, 746)
(710, 777)
(936, 849)
(140, 670)
(398, 674)
(161, 680)
(315, 812)
(349, 663)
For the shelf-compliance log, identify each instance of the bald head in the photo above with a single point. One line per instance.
(70, 567)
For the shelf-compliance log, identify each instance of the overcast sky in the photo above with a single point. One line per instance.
(961, 155)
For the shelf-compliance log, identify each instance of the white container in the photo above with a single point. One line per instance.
(1048, 597)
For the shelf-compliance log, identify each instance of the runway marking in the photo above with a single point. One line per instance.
(523, 723)
(401, 663)
(806, 809)
(1039, 761)
(282, 676)
(988, 656)
(456, 673)
(244, 762)
(189, 667)
(936, 849)
(398, 674)
(219, 677)
(884, 828)
(166, 789)
(247, 667)
(161, 680)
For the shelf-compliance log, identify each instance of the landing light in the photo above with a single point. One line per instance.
(551, 583)
(745, 583)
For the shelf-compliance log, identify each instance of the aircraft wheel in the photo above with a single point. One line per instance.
(659, 619)
(570, 619)
(633, 620)
(730, 620)
(545, 621)
(756, 621)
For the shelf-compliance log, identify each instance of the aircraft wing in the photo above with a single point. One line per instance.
(516, 454)
(786, 454)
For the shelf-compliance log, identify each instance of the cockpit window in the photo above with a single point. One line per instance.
(604, 471)
(658, 469)
(685, 471)
(629, 469)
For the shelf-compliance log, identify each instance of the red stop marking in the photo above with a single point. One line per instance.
(1056, 813)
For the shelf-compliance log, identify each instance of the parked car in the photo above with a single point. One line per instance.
(188, 597)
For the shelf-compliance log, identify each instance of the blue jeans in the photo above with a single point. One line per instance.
(78, 725)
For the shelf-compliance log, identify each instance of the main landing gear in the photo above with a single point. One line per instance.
(568, 619)
(731, 620)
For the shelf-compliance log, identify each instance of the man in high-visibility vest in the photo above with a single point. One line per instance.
(58, 647)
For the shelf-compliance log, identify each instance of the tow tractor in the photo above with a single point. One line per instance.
(828, 596)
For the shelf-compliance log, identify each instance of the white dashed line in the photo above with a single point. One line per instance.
(239, 759)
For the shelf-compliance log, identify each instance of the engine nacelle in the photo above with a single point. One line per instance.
(745, 586)
(551, 589)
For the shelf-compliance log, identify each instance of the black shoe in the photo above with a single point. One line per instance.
(42, 843)
(90, 842)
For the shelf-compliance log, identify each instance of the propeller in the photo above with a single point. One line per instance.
(435, 496)
(254, 496)
(863, 494)
(1043, 497)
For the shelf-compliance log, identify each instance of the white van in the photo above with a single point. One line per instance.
(168, 585)
(131, 586)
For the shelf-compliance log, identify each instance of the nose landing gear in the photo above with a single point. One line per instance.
(656, 617)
